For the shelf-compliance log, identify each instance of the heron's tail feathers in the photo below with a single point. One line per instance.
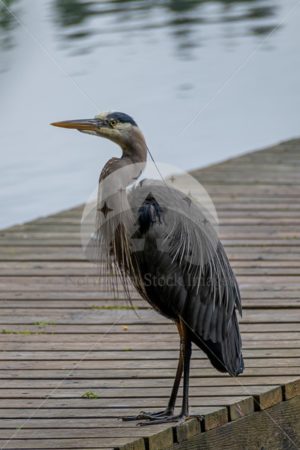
(225, 356)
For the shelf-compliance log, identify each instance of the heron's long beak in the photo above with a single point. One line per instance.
(81, 125)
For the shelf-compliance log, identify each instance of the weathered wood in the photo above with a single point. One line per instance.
(215, 419)
(98, 382)
(241, 409)
(122, 327)
(126, 344)
(129, 317)
(156, 364)
(277, 429)
(268, 398)
(60, 392)
(141, 373)
(291, 389)
(133, 355)
(100, 403)
(186, 430)
(11, 337)
(113, 414)
(160, 440)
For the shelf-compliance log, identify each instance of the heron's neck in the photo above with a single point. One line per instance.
(132, 162)
(135, 147)
(116, 175)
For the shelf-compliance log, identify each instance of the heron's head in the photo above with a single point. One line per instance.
(116, 126)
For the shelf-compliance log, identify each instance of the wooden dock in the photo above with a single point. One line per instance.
(73, 360)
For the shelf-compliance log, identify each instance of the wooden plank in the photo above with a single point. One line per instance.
(105, 304)
(112, 365)
(215, 419)
(291, 389)
(106, 405)
(100, 383)
(60, 393)
(85, 443)
(160, 440)
(87, 413)
(63, 269)
(128, 339)
(241, 409)
(65, 296)
(268, 398)
(125, 344)
(128, 316)
(185, 430)
(128, 354)
(121, 327)
(142, 373)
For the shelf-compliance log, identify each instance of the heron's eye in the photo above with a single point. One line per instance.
(113, 122)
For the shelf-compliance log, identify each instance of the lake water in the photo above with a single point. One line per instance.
(205, 80)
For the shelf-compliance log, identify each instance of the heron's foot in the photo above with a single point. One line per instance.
(180, 418)
(144, 415)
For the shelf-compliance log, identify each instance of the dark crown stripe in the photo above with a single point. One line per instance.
(121, 117)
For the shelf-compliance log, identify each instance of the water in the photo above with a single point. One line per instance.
(205, 80)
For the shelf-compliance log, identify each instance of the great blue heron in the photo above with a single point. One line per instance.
(178, 243)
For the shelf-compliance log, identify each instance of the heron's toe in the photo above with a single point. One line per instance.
(151, 416)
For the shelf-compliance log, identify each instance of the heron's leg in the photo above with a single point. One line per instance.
(173, 397)
(186, 375)
(187, 352)
(171, 405)
(169, 411)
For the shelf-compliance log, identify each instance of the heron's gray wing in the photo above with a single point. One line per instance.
(181, 242)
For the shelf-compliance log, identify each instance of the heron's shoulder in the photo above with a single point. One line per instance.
(108, 168)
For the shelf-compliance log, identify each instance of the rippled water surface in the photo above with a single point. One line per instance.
(205, 80)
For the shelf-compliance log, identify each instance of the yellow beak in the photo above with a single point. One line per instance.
(81, 125)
